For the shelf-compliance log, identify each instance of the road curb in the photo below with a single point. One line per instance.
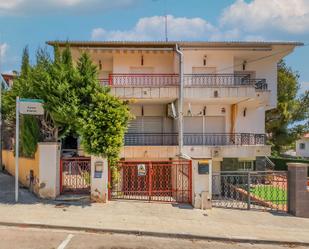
(185, 236)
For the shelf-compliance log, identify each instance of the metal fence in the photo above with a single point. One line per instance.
(160, 181)
(75, 175)
(260, 190)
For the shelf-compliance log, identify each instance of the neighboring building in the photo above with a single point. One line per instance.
(214, 121)
(302, 146)
(9, 78)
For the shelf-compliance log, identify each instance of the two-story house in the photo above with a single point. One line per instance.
(199, 108)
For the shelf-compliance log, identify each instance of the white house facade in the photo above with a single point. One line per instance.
(302, 146)
(199, 108)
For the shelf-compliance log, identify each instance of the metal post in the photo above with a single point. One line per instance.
(180, 100)
(16, 149)
(0, 109)
(248, 191)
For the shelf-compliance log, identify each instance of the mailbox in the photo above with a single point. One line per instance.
(203, 167)
(98, 169)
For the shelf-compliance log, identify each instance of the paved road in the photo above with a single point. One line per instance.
(30, 238)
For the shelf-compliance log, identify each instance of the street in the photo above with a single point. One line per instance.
(30, 238)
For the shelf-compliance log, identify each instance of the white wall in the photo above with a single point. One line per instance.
(253, 122)
(223, 61)
(302, 152)
(161, 62)
(49, 163)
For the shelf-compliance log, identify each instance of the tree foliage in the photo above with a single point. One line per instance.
(73, 101)
(289, 120)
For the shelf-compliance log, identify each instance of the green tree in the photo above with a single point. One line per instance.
(289, 120)
(74, 102)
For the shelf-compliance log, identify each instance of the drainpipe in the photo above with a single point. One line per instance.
(180, 101)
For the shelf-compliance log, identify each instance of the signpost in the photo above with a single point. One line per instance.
(28, 107)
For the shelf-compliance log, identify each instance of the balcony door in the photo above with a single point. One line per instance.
(214, 124)
(146, 125)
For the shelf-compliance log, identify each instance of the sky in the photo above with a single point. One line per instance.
(33, 22)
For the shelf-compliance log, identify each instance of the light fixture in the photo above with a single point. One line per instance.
(222, 110)
(245, 112)
(142, 60)
(100, 65)
(205, 60)
(216, 94)
(244, 64)
(204, 110)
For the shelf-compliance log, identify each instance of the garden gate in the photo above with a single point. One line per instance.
(259, 190)
(162, 181)
(75, 175)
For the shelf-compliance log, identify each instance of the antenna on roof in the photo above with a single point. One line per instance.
(165, 20)
(166, 38)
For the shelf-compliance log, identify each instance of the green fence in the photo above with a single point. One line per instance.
(281, 163)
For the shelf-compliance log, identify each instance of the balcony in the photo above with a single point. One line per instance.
(223, 80)
(194, 139)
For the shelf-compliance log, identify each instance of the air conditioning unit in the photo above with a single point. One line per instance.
(216, 152)
(171, 110)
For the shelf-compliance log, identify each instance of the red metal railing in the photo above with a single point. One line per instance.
(161, 181)
(143, 80)
(75, 175)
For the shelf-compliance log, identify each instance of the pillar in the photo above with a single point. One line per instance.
(298, 192)
(99, 179)
(49, 169)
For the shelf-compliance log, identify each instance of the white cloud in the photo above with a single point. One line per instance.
(153, 28)
(3, 50)
(24, 7)
(290, 16)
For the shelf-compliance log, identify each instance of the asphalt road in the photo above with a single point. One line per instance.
(30, 238)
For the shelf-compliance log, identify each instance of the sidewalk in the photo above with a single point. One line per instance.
(161, 220)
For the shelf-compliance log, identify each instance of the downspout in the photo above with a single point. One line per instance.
(180, 101)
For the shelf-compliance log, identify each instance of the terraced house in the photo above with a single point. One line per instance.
(199, 109)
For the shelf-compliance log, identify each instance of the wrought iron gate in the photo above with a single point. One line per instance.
(265, 190)
(164, 181)
(75, 175)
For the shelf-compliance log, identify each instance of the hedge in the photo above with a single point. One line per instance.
(281, 163)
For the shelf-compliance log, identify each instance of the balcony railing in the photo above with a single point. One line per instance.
(151, 139)
(223, 80)
(143, 80)
(208, 139)
(220, 139)
(190, 80)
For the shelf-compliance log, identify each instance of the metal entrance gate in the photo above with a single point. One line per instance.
(265, 190)
(75, 175)
(168, 181)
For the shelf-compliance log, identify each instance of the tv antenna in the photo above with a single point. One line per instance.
(165, 20)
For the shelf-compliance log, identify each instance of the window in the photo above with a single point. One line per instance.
(245, 165)
(302, 146)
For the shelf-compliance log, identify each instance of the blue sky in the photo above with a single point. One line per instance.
(32, 22)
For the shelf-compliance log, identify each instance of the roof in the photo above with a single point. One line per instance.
(172, 44)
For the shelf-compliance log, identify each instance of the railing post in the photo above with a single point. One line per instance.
(110, 81)
(248, 191)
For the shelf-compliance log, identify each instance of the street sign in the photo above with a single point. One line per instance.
(31, 106)
(28, 107)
